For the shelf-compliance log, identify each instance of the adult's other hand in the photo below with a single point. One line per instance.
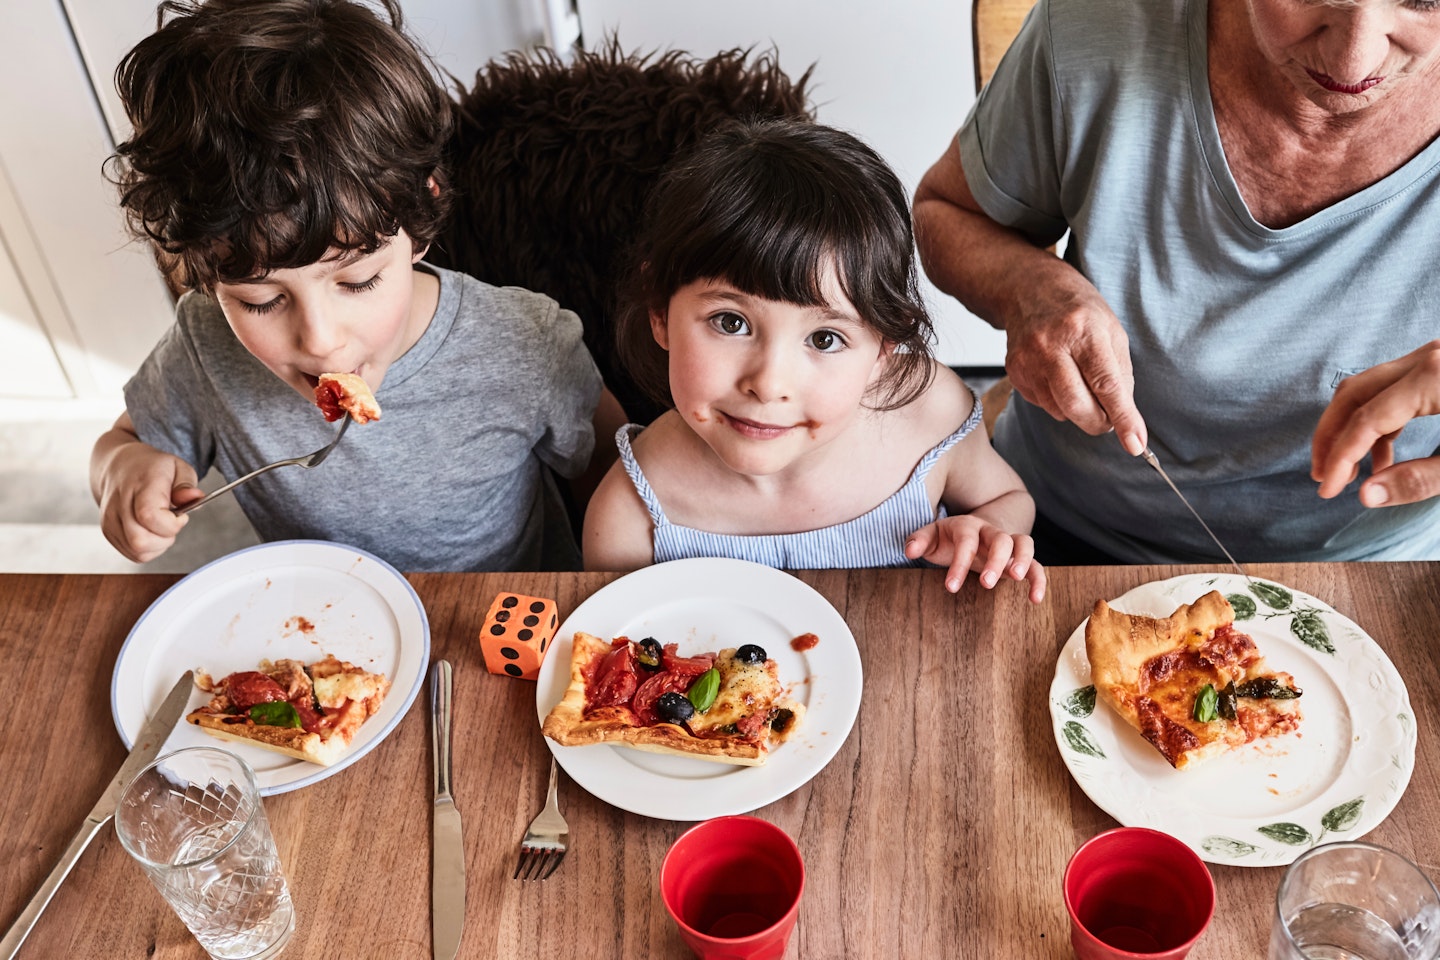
(1366, 415)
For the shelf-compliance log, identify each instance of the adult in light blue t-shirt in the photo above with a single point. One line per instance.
(1252, 194)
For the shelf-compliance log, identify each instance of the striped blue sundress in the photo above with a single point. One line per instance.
(873, 539)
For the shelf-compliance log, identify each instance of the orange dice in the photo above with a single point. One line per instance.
(516, 633)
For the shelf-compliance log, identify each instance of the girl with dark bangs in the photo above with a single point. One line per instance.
(772, 305)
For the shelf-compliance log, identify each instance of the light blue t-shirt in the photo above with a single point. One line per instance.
(1099, 120)
(876, 538)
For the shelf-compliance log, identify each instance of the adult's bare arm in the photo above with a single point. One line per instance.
(1066, 351)
(1366, 414)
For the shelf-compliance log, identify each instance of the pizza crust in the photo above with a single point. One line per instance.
(568, 725)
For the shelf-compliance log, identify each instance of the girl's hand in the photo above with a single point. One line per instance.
(1366, 415)
(966, 542)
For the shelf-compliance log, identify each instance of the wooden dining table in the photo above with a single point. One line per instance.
(941, 827)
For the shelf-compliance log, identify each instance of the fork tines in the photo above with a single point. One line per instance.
(537, 863)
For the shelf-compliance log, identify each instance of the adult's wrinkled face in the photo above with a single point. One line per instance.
(1346, 55)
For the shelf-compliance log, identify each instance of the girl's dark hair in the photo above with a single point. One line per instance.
(766, 206)
(270, 132)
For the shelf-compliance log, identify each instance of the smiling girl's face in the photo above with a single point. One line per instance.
(763, 382)
(355, 314)
(1344, 55)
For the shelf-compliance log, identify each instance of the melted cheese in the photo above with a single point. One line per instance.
(335, 690)
(745, 689)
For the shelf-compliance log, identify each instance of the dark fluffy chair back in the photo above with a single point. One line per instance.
(551, 163)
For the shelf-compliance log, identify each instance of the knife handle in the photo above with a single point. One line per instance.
(441, 687)
(23, 924)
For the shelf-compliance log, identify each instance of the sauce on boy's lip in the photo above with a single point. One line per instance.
(1335, 86)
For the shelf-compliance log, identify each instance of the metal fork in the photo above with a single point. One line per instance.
(309, 460)
(546, 839)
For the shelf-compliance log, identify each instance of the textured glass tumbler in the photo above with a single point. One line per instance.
(194, 821)
(1355, 901)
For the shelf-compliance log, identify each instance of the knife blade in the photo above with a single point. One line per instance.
(1151, 459)
(147, 746)
(447, 849)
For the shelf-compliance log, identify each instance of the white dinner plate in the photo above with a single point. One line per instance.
(299, 599)
(704, 605)
(1263, 805)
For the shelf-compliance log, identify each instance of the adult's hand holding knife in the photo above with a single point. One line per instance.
(147, 747)
(447, 850)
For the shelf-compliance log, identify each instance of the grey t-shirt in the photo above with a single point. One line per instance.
(1099, 120)
(451, 477)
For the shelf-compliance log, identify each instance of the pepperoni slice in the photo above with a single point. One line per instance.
(691, 666)
(247, 688)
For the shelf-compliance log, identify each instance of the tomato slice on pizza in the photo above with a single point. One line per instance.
(727, 706)
(1191, 683)
(307, 711)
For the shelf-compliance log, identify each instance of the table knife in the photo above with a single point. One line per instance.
(147, 746)
(447, 850)
(1151, 459)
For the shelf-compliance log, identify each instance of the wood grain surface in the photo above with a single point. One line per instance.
(940, 829)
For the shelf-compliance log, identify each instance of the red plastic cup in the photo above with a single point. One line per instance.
(1134, 892)
(733, 885)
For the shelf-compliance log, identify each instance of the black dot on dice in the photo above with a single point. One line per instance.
(509, 601)
(509, 653)
(524, 635)
(497, 629)
(502, 616)
(552, 621)
(536, 607)
(513, 670)
(531, 621)
(542, 644)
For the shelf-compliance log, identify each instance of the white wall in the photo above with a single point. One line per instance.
(898, 74)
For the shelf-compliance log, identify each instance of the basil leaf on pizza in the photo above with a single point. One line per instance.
(1192, 684)
(728, 706)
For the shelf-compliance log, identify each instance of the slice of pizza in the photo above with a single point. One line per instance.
(1192, 684)
(307, 711)
(340, 393)
(727, 706)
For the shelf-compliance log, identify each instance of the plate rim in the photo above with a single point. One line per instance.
(664, 808)
(1368, 821)
(209, 570)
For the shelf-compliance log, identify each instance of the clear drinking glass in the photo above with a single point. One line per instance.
(194, 821)
(1355, 901)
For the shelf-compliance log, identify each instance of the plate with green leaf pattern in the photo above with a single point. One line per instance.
(1264, 804)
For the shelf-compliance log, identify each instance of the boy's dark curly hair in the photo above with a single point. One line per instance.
(771, 206)
(268, 133)
(552, 162)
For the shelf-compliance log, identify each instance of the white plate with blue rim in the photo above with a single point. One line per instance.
(298, 599)
(704, 605)
(1336, 778)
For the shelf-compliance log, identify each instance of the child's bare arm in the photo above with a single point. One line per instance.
(988, 529)
(618, 532)
(136, 486)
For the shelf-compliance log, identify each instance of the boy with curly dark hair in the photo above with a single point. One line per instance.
(286, 161)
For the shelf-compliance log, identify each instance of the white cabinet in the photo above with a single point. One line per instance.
(78, 284)
(898, 75)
